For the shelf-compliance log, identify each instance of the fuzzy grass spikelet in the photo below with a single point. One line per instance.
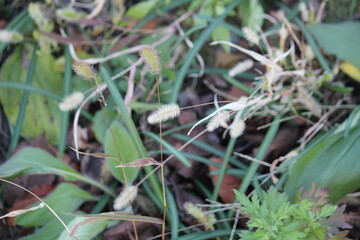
(164, 113)
(304, 12)
(71, 101)
(202, 217)
(237, 128)
(241, 67)
(84, 70)
(251, 35)
(152, 59)
(10, 36)
(218, 120)
(309, 102)
(127, 195)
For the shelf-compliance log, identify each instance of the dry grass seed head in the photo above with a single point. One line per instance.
(127, 196)
(309, 102)
(10, 36)
(84, 70)
(218, 120)
(72, 101)
(200, 215)
(241, 67)
(151, 58)
(237, 128)
(251, 35)
(164, 113)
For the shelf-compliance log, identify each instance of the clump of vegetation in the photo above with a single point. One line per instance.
(274, 217)
(150, 113)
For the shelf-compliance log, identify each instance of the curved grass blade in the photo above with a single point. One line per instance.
(64, 119)
(20, 118)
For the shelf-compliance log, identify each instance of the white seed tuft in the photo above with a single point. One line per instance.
(10, 36)
(241, 67)
(166, 112)
(309, 54)
(309, 102)
(219, 119)
(251, 35)
(237, 128)
(304, 12)
(127, 196)
(71, 101)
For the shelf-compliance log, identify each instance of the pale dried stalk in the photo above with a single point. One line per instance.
(190, 44)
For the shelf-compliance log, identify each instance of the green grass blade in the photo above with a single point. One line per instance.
(132, 130)
(209, 149)
(190, 156)
(32, 89)
(173, 214)
(197, 46)
(206, 235)
(237, 84)
(260, 154)
(20, 118)
(173, 150)
(15, 25)
(172, 5)
(65, 115)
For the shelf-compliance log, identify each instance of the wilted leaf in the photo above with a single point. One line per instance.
(42, 115)
(65, 198)
(142, 162)
(333, 162)
(22, 211)
(96, 155)
(118, 143)
(122, 216)
(341, 39)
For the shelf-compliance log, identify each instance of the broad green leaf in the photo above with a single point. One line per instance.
(64, 199)
(85, 231)
(37, 161)
(251, 12)
(141, 9)
(221, 34)
(42, 115)
(118, 143)
(101, 121)
(69, 14)
(341, 39)
(40, 13)
(331, 163)
(51, 230)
